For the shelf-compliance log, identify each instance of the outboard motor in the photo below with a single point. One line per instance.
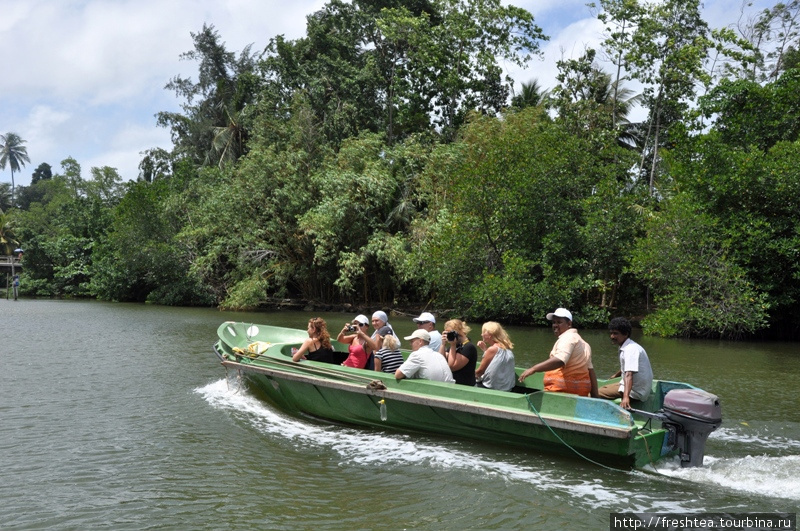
(690, 415)
(695, 414)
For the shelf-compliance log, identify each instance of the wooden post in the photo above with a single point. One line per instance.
(13, 280)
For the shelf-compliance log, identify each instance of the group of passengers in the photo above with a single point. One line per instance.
(450, 356)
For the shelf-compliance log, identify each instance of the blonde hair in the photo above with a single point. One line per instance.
(457, 325)
(390, 342)
(498, 334)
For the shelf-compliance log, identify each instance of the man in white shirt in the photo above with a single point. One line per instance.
(634, 367)
(424, 362)
(426, 321)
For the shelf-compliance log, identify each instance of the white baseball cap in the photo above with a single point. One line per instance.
(419, 334)
(425, 317)
(560, 312)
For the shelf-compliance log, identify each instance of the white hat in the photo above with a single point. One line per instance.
(361, 319)
(419, 334)
(381, 315)
(425, 317)
(560, 312)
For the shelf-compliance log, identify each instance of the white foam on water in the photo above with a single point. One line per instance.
(777, 477)
(769, 476)
(759, 437)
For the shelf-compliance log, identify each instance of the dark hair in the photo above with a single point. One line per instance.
(621, 325)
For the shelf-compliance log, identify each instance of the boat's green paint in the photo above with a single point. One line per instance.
(598, 429)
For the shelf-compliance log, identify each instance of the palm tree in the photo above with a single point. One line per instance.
(14, 153)
(531, 95)
(622, 101)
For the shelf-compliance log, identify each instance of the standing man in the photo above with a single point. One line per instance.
(634, 367)
(424, 362)
(426, 321)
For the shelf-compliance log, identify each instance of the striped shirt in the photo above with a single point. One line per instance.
(390, 359)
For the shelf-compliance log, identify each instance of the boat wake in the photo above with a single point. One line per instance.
(754, 475)
(760, 437)
(775, 477)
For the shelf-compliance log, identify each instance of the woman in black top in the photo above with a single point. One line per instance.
(461, 354)
(318, 345)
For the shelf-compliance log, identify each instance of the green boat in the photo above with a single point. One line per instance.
(675, 420)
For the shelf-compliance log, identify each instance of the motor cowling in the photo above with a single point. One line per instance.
(694, 414)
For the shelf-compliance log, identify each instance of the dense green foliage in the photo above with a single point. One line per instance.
(380, 161)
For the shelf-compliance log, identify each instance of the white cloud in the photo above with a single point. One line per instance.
(569, 43)
(88, 77)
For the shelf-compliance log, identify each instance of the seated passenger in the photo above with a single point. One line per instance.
(318, 345)
(424, 362)
(388, 359)
(496, 370)
(569, 368)
(460, 353)
(634, 367)
(427, 322)
(380, 322)
(361, 345)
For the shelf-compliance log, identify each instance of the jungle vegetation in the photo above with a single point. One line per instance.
(384, 160)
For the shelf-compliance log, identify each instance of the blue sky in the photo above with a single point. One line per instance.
(84, 78)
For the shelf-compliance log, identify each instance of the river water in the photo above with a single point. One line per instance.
(118, 416)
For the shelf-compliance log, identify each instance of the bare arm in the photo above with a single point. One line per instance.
(345, 338)
(550, 364)
(370, 345)
(626, 393)
(488, 355)
(300, 354)
(455, 360)
(378, 364)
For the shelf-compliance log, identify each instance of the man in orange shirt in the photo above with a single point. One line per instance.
(569, 368)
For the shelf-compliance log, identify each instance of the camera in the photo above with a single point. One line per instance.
(352, 328)
(452, 335)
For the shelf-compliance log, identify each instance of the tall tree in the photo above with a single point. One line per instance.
(214, 105)
(666, 51)
(14, 154)
(409, 67)
(620, 17)
(42, 171)
(5, 197)
(774, 36)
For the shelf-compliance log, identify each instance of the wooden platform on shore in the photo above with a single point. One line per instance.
(6, 263)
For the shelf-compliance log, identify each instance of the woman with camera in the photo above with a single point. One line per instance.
(460, 353)
(361, 345)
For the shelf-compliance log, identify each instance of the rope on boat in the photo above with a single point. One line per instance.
(647, 446)
(528, 398)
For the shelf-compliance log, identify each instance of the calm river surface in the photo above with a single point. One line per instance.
(118, 416)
